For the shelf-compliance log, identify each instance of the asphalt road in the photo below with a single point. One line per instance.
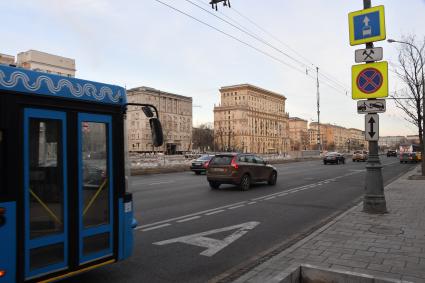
(189, 233)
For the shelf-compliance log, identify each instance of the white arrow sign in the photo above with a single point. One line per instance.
(372, 127)
(366, 21)
(368, 55)
(213, 245)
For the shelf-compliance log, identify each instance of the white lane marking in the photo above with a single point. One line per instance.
(186, 216)
(252, 202)
(156, 227)
(269, 198)
(188, 219)
(234, 207)
(159, 183)
(215, 212)
(213, 245)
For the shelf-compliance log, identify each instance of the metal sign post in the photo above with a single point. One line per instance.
(370, 81)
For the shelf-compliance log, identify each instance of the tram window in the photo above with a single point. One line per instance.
(45, 177)
(95, 174)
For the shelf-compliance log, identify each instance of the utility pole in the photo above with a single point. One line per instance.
(374, 198)
(319, 140)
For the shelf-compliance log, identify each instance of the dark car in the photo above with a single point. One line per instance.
(200, 165)
(391, 153)
(334, 158)
(239, 169)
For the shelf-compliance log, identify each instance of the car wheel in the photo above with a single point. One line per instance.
(324, 162)
(343, 161)
(272, 179)
(198, 172)
(214, 185)
(245, 182)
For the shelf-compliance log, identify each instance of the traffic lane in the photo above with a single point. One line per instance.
(280, 217)
(193, 194)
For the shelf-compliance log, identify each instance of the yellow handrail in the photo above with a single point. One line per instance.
(94, 196)
(51, 213)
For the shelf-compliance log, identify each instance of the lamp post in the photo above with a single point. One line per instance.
(423, 96)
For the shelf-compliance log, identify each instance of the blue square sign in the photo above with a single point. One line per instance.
(367, 25)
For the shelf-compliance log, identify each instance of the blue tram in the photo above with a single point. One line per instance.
(64, 208)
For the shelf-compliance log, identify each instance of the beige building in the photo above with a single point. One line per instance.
(298, 133)
(45, 62)
(7, 59)
(251, 119)
(357, 139)
(334, 137)
(391, 142)
(175, 113)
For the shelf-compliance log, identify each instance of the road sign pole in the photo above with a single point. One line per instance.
(374, 197)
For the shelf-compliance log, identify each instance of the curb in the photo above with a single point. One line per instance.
(325, 226)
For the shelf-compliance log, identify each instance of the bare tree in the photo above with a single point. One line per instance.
(203, 137)
(410, 72)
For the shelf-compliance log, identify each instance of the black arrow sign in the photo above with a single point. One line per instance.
(371, 122)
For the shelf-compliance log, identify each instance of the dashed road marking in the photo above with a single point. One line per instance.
(215, 212)
(156, 227)
(234, 207)
(189, 219)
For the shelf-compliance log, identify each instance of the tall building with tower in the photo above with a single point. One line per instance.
(251, 119)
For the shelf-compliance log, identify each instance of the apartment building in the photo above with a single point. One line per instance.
(175, 112)
(298, 133)
(334, 137)
(45, 62)
(392, 142)
(251, 119)
(7, 59)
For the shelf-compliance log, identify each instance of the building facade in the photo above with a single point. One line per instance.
(175, 113)
(357, 140)
(45, 62)
(251, 119)
(391, 142)
(7, 59)
(334, 137)
(298, 133)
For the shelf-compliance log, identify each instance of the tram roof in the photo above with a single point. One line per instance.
(37, 83)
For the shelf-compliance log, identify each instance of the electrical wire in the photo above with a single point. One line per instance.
(245, 43)
(262, 40)
(231, 36)
(328, 76)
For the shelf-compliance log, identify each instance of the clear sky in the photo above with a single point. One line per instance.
(142, 42)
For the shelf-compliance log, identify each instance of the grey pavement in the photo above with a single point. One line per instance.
(390, 245)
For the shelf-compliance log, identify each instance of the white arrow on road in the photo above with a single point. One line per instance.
(213, 245)
(366, 21)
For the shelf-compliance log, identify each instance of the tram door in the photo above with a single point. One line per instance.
(54, 212)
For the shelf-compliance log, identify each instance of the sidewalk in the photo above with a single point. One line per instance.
(386, 246)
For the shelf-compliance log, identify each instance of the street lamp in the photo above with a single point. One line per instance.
(423, 96)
